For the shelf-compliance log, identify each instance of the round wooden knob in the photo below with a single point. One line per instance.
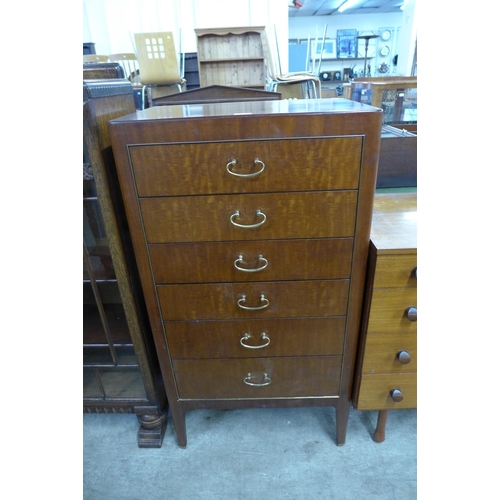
(403, 357)
(396, 395)
(414, 272)
(411, 313)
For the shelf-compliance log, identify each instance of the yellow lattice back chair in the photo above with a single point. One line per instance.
(128, 61)
(158, 63)
(95, 58)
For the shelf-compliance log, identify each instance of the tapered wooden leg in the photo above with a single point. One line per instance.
(179, 421)
(379, 434)
(342, 414)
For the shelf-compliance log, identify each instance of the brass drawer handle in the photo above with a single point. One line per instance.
(265, 380)
(411, 313)
(256, 269)
(396, 395)
(264, 337)
(247, 176)
(256, 308)
(249, 226)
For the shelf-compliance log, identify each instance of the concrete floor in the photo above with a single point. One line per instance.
(253, 454)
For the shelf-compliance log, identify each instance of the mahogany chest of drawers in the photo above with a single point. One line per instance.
(250, 223)
(386, 370)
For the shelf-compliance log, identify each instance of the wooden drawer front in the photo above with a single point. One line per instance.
(381, 353)
(375, 391)
(395, 271)
(289, 377)
(280, 260)
(285, 337)
(290, 165)
(207, 218)
(388, 310)
(286, 299)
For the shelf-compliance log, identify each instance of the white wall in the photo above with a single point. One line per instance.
(110, 24)
(302, 27)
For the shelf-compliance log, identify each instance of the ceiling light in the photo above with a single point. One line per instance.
(347, 5)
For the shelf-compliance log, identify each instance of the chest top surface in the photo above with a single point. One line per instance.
(394, 221)
(230, 109)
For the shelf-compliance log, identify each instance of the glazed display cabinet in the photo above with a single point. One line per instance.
(120, 367)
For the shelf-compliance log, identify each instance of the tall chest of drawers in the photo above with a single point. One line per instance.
(250, 224)
(386, 370)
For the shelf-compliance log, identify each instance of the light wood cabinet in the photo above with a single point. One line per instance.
(386, 370)
(231, 57)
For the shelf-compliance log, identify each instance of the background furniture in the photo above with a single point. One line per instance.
(216, 93)
(120, 366)
(95, 58)
(309, 83)
(88, 48)
(130, 65)
(191, 73)
(396, 95)
(100, 71)
(250, 224)
(231, 57)
(386, 369)
(397, 164)
(160, 69)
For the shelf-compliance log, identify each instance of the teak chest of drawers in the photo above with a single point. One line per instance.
(250, 224)
(386, 370)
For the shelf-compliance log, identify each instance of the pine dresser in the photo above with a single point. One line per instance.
(386, 369)
(250, 223)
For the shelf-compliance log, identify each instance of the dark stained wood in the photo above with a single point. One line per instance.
(216, 93)
(286, 299)
(286, 260)
(287, 337)
(99, 71)
(132, 381)
(187, 169)
(193, 216)
(286, 377)
(397, 166)
(287, 215)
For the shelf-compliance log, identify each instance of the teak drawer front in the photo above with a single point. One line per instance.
(388, 312)
(285, 377)
(279, 260)
(381, 353)
(283, 337)
(208, 218)
(375, 391)
(288, 165)
(281, 300)
(394, 271)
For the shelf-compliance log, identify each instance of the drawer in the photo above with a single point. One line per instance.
(273, 377)
(276, 300)
(260, 260)
(375, 391)
(282, 216)
(255, 338)
(287, 165)
(395, 271)
(388, 312)
(382, 353)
